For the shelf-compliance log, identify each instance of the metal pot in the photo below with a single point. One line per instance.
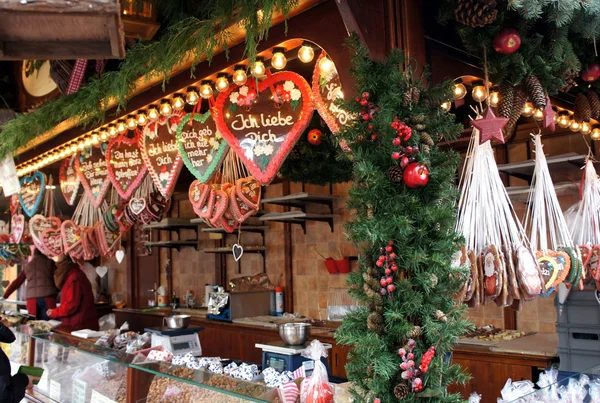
(177, 321)
(294, 334)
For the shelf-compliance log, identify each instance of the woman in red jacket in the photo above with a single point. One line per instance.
(77, 308)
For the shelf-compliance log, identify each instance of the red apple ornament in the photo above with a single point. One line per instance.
(314, 137)
(507, 41)
(415, 175)
(592, 73)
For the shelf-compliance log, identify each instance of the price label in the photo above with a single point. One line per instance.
(100, 398)
(79, 390)
(54, 390)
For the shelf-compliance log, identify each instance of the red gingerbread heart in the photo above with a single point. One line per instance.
(14, 203)
(198, 193)
(93, 173)
(137, 205)
(126, 168)
(52, 241)
(206, 209)
(263, 124)
(249, 190)
(17, 227)
(326, 89)
(220, 205)
(71, 234)
(38, 224)
(69, 180)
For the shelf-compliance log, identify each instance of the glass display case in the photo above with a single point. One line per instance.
(180, 384)
(18, 351)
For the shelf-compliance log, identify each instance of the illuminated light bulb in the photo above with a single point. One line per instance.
(153, 113)
(87, 142)
(538, 115)
(479, 93)
(446, 106)
(81, 145)
(306, 53)
(121, 127)
(494, 99)
(595, 134)
(239, 75)
(142, 119)
(278, 60)
(74, 148)
(103, 135)
(178, 103)
(165, 108)
(131, 122)
(326, 65)
(460, 91)
(112, 131)
(258, 68)
(528, 109)
(95, 139)
(586, 128)
(206, 90)
(564, 121)
(192, 96)
(62, 154)
(575, 126)
(222, 83)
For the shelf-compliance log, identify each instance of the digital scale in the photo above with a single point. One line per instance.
(282, 357)
(177, 341)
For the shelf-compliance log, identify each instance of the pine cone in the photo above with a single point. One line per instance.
(507, 95)
(441, 316)
(415, 94)
(536, 92)
(417, 119)
(594, 103)
(375, 323)
(407, 97)
(401, 391)
(582, 111)
(394, 174)
(415, 332)
(426, 139)
(425, 149)
(420, 127)
(517, 108)
(476, 13)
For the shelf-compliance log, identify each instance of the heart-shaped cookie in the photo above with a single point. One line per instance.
(219, 206)
(564, 265)
(17, 227)
(126, 168)
(32, 192)
(326, 89)
(93, 173)
(198, 193)
(14, 203)
(71, 234)
(239, 209)
(205, 211)
(528, 272)
(158, 144)
(69, 180)
(249, 190)
(549, 268)
(38, 224)
(52, 240)
(107, 239)
(137, 205)
(261, 125)
(201, 145)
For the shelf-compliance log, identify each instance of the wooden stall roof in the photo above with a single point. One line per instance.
(60, 29)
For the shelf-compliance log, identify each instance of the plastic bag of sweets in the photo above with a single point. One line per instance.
(316, 388)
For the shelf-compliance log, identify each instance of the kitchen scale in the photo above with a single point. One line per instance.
(282, 357)
(177, 341)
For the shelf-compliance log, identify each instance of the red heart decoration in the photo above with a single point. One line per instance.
(220, 205)
(137, 205)
(228, 224)
(52, 240)
(205, 211)
(261, 131)
(198, 193)
(69, 180)
(38, 224)
(17, 227)
(93, 174)
(126, 168)
(14, 203)
(249, 190)
(158, 145)
(71, 234)
(239, 209)
(326, 89)
(106, 239)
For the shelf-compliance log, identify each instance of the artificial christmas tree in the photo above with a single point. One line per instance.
(406, 239)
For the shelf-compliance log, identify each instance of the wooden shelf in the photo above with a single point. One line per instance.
(301, 200)
(562, 168)
(173, 244)
(173, 224)
(520, 194)
(245, 228)
(227, 250)
(298, 217)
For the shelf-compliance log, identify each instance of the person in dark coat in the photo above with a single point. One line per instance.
(77, 310)
(40, 291)
(12, 388)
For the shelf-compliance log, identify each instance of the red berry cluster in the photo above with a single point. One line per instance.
(369, 108)
(410, 373)
(405, 153)
(403, 132)
(387, 262)
(426, 359)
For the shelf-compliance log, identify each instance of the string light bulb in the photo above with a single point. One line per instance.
(460, 91)
(153, 113)
(74, 148)
(538, 115)
(494, 99)
(446, 106)
(222, 82)
(595, 134)
(103, 135)
(87, 142)
(564, 121)
(479, 93)
(191, 97)
(178, 102)
(121, 128)
(165, 108)
(81, 145)
(131, 122)
(306, 53)
(142, 118)
(239, 75)
(326, 65)
(62, 153)
(575, 126)
(586, 128)
(112, 131)
(278, 60)
(528, 109)
(95, 139)
(206, 90)
(258, 68)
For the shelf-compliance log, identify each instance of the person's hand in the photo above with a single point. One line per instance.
(49, 312)
(32, 379)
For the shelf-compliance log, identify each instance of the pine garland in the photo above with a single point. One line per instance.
(192, 38)
(419, 222)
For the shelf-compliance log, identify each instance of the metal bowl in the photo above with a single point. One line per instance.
(294, 334)
(177, 321)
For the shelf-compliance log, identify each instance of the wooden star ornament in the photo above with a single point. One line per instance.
(549, 115)
(490, 126)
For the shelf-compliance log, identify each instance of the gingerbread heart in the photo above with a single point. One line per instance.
(205, 211)
(17, 227)
(71, 234)
(198, 193)
(93, 173)
(52, 240)
(160, 152)
(239, 209)
(137, 205)
(326, 89)
(564, 266)
(14, 203)
(201, 145)
(126, 168)
(549, 268)
(528, 272)
(249, 190)
(38, 224)
(219, 206)
(32, 192)
(228, 224)
(263, 124)
(69, 180)
(106, 238)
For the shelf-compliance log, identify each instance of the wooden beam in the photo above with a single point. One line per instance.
(49, 50)
(62, 6)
